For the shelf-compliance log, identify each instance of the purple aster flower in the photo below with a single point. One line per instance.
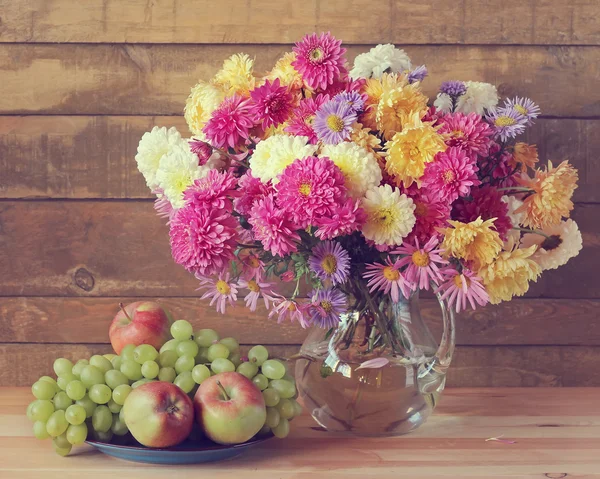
(454, 88)
(525, 107)
(417, 74)
(330, 261)
(326, 306)
(352, 98)
(506, 123)
(333, 122)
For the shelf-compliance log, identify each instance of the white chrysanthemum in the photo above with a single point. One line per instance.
(379, 60)
(359, 166)
(153, 145)
(179, 169)
(478, 98)
(390, 215)
(443, 103)
(564, 243)
(203, 100)
(274, 154)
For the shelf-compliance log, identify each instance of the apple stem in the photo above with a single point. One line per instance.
(223, 392)
(122, 306)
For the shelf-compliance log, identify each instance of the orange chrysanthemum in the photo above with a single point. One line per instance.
(363, 137)
(477, 242)
(551, 198)
(524, 155)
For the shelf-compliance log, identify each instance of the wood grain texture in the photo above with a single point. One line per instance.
(93, 156)
(156, 79)
(86, 320)
(356, 21)
(121, 248)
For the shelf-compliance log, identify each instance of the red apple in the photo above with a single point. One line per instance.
(159, 414)
(143, 322)
(229, 408)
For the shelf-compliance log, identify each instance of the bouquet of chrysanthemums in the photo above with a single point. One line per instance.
(347, 179)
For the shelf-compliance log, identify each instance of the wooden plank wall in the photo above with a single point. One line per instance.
(81, 81)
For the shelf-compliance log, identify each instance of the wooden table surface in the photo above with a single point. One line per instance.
(557, 434)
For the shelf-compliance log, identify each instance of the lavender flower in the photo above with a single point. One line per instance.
(453, 88)
(330, 261)
(352, 98)
(417, 74)
(326, 306)
(525, 107)
(506, 122)
(333, 121)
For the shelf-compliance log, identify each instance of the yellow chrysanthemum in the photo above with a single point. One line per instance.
(236, 76)
(509, 274)
(286, 73)
(373, 89)
(524, 155)
(203, 100)
(476, 241)
(397, 105)
(411, 149)
(365, 139)
(551, 198)
(274, 130)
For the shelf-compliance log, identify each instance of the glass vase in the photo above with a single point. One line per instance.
(380, 372)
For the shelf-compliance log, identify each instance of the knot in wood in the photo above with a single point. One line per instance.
(84, 279)
(556, 475)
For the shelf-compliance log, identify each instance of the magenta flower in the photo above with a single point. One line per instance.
(347, 218)
(251, 190)
(326, 306)
(431, 213)
(272, 103)
(303, 117)
(458, 288)
(256, 288)
(220, 292)
(201, 149)
(330, 261)
(319, 59)
(229, 124)
(468, 132)
(289, 310)
(422, 264)
(387, 278)
(450, 175)
(273, 227)
(334, 120)
(215, 190)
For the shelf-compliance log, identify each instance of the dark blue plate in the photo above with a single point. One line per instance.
(188, 452)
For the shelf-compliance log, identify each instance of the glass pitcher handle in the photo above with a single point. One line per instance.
(443, 355)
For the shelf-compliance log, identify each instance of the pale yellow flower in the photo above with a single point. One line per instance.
(237, 75)
(285, 71)
(477, 242)
(560, 243)
(199, 106)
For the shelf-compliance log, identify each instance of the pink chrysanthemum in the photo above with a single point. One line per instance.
(215, 190)
(201, 149)
(203, 240)
(468, 132)
(459, 288)
(451, 175)
(272, 103)
(422, 264)
(346, 219)
(251, 190)
(221, 291)
(319, 59)
(310, 189)
(433, 116)
(230, 124)
(387, 278)
(162, 205)
(431, 213)
(256, 288)
(289, 310)
(273, 227)
(486, 203)
(303, 117)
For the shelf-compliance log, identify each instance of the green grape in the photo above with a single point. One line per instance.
(231, 344)
(100, 393)
(64, 380)
(102, 436)
(61, 441)
(120, 393)
(140, 382)
(271, 397)
(221, 365)
(289, 378)
(273, 417)
(87, 404)
(273, 369)
(77, 434)
(43, 390)
(113, 406)
(285, 408)
(200, 373)
(75, 390)
(285, 388)
(102, 419)
(62, 451)
(57, 423)
(78, 368)
(261, 381)
(114, 378)
(122, 415)
(206, 337)
(150, 369)
(62, 366)
(127, 352)
(185, 381)
(101, 363)
(264, 431)
(170, 345)
(258, 355)
(144, 352)
(75, 414)
(297, 408)
(247, 369)
(217, 351)
(49, 379)
(62, 401)
(109, 356)
(119, 428)
(29, 408)
(181, 330)
(91, 375)
(282, 429)
(41, 410)
(39, 430)
(236, 358)
(131, 369)
(167, 374)
(202, 356)
(184, 363)
(116, 362)
(187, 348)
(167, 359)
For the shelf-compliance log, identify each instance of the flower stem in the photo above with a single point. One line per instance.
(529, 230)
(516, 188)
